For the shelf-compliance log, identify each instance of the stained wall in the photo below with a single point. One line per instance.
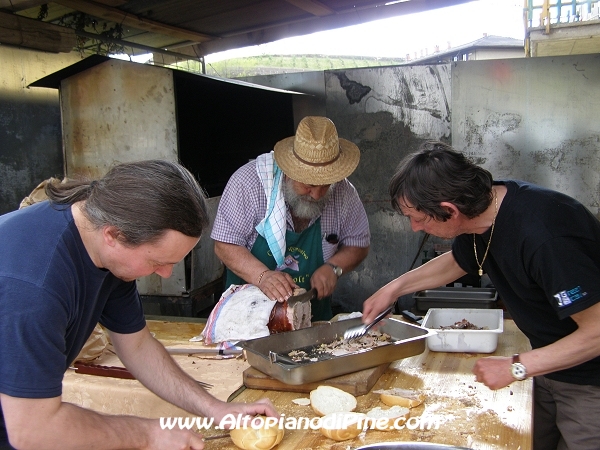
(387, 112)
(30, 136)
(534, 119)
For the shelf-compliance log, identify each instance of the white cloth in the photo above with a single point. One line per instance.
(242, 313)
(273, 226)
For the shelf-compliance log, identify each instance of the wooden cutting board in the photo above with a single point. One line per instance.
(356, 383)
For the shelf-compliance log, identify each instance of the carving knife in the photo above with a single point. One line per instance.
(218, 436)
(233, 351)
(306, 297)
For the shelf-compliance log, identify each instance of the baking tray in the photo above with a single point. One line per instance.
(408, 340)
(466, 341)
(456, 297)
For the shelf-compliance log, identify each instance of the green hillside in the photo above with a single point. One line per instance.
(274, 64)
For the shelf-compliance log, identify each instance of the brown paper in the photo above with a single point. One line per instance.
(119, 396)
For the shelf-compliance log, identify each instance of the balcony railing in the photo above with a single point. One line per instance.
(562, 11)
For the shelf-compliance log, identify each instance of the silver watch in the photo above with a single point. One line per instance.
(518, 370)
(336, 269)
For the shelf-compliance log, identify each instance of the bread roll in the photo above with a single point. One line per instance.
(342, 426)
(253, 438)
(388, 419)
(401, 397)
(327, 399)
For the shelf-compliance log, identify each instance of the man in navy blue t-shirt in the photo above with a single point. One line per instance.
(71, 262)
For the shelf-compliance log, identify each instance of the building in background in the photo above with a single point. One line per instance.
(488, 47)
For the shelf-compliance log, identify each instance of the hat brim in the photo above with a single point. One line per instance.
(316, 175)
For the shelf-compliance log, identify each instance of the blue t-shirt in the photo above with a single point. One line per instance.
(51, 297)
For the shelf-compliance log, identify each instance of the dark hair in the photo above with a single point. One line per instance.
(437, 173)
(141, 199)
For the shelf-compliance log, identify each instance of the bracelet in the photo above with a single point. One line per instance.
(261, 275)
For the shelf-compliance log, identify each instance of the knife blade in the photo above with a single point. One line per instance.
(233, 351)
(218, 436)
(306, 297)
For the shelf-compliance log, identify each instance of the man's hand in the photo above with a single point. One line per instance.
(276, 285)
(377, 303)
(324, 281)
(437, 272)
(262, 407)
(494, 371)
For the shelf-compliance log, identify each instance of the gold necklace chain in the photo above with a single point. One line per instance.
(480, 272)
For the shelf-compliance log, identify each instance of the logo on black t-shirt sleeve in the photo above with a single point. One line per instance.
(565, 298)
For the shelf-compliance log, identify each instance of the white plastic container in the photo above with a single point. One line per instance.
(468, 341)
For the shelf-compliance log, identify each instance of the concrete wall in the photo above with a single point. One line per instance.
(30, 140)
(387, 112)
(534, 119)
(310, 83)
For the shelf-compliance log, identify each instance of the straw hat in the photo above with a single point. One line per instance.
(315, 155)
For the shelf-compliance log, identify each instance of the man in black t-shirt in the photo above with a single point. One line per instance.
(541, 249)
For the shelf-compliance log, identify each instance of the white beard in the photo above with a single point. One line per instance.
(304, 206)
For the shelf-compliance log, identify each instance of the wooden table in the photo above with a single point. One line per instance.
(469, 414)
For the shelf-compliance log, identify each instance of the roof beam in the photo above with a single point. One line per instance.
(111, 14)
(19, 5)
(312, 6)
(29, 33)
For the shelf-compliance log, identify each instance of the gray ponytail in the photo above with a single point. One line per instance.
(141, 199)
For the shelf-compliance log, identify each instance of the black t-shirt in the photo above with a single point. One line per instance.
(544, 260)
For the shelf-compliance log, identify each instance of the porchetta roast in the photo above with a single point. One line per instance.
(245, 312)
(288, 316)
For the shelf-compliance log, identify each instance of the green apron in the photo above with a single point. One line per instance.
(303, 255)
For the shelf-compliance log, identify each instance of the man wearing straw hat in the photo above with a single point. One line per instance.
(291, 219)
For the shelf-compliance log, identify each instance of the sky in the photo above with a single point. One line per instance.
(402, 35)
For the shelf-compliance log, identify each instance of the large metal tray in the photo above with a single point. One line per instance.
(408, 340)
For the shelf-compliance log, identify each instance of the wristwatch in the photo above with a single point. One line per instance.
(336, 269)
(519, 372)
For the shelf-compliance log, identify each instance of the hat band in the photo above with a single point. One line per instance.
(317, 164)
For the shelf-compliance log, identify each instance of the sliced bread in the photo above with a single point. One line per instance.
(388, 419)
(402, 397)
(328, 399)
(341, 426)
(254, 437)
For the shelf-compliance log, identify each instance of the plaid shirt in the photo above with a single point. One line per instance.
(243, 205)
